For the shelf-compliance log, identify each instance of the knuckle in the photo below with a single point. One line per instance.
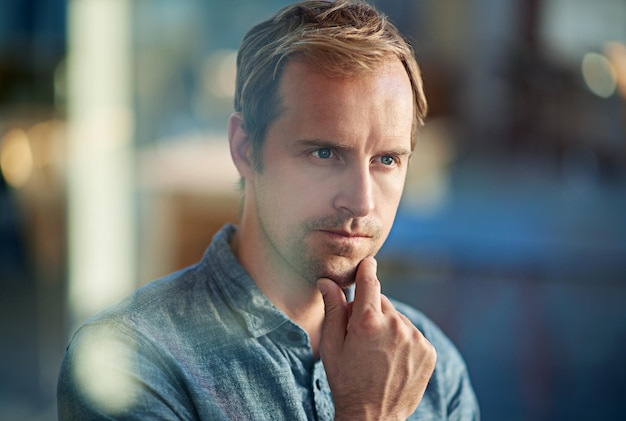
(369, 323)
(399, 327)
(429, 354)
(423, 344)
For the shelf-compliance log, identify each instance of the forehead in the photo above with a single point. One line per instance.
(378, 102)
(302, 73)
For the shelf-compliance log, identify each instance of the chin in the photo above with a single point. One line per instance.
(345, 284)
(344, 278)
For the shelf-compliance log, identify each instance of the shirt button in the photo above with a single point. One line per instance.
(293, 336)
(318, 384)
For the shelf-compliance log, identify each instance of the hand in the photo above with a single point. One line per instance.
(377, 363)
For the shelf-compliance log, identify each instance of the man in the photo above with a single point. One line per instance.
(328, 102)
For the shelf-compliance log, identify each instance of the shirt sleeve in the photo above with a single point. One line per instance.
(108, 373)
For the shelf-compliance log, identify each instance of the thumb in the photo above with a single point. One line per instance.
(336, 316)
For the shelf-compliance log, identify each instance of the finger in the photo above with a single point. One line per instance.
(367, 291)
(406, 320)
(336, 316)
(386, 305)
(388, 308)
(350, 304)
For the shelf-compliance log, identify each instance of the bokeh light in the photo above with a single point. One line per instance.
(219, 73)
(16, 158)
(616, 52)
(101, 371)
(599, 74)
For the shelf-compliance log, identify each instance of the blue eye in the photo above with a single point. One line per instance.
(387, 160)
(323, 153)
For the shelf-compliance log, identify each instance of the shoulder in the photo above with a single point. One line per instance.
(140, 321)
(449, 359)
(183, 304)
(152, 302)
(429, 329)
(130, 358)
(450, 385)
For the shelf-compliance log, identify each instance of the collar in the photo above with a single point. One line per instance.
(238, 289)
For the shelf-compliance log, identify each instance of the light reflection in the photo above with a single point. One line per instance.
(16, 158)
(427, 186)
(219, 73)
(102, 371)
(599, 74)
(616, 52)
(100, 156)
(47, 139)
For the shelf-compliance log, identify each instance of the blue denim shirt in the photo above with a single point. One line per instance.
(205, 343)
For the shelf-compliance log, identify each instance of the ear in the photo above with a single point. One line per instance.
(240, 146)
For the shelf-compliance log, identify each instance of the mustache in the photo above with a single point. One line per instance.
(342, 223)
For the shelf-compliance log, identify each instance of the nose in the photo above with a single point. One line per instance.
(355, 192)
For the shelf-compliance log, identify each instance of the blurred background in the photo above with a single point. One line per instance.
(511, 236)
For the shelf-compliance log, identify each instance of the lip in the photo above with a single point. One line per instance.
(344, 234)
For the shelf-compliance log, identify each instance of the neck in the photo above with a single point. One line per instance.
(298, 298)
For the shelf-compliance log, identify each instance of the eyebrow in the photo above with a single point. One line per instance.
(322, 143)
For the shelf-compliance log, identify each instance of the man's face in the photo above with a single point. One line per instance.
(334, 165)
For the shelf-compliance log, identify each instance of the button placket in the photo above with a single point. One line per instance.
(324, 405)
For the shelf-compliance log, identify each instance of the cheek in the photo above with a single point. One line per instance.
(288, 196)
(389, 195)
(388, 215)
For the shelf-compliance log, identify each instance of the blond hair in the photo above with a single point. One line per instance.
(343, 38)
